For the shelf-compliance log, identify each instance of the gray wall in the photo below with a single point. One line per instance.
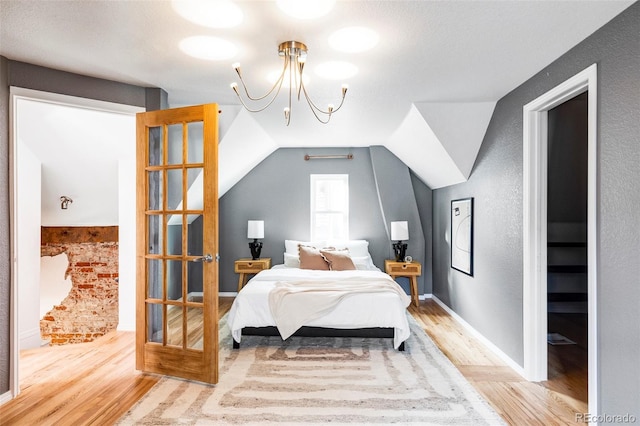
(5, 251)
(277, 191)
(424, 199)
(20, 74)
(491, 301)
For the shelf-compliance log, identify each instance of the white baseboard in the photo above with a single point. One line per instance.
(126, 326)
(5, 397)
(30, 339)
(486, 342)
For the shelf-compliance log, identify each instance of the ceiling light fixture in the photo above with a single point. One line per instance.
(294, 54)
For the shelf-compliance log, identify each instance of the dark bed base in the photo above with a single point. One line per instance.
(321, 332)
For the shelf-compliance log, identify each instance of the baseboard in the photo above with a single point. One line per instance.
(30, 339)
(126, 326)
(486, 342)
(5, 397)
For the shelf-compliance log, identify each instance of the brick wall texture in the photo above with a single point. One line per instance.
(90, 310)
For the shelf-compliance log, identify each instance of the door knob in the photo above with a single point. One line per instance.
(206, 258)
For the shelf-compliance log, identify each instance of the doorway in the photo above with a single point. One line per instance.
(567, 280)
(58, 124)
(535, 228)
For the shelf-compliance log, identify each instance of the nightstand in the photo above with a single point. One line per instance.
(411, 270)
(246, 267)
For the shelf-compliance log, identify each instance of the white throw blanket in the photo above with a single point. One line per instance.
(295, 303)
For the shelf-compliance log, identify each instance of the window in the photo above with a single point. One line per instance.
(329, 207)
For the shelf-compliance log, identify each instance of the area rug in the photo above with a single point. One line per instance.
(307, 381)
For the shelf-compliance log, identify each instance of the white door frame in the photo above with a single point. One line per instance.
(16, 94)
(535, 227)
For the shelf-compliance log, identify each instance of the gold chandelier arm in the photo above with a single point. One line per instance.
(277, 84)
(235, 89)
(273, 98)
(315, 108)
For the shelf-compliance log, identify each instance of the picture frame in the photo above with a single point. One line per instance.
(462, 235)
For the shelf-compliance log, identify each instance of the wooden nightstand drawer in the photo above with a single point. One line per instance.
(252, 266)
(246, 267)
(403, 268)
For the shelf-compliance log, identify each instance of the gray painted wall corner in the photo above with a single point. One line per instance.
(5, 244)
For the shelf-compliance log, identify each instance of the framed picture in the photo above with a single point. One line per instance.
(462, 235)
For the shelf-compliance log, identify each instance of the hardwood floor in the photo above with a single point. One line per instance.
(519, 402)
(96, 383)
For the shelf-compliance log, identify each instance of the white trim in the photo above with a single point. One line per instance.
(535, 233)
(55, 98)
(28, 334)
(6, 397)
(17, 93)
(486, 342)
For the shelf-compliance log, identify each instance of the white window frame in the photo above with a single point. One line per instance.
(314, 179)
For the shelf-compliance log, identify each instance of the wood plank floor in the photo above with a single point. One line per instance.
(96, 383)
(519, 402)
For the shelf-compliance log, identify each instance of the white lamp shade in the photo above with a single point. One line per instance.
(400, 231)
(255, 229)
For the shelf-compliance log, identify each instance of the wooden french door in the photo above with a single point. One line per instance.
(177, 243)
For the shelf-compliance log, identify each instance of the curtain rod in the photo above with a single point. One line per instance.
(324, 157)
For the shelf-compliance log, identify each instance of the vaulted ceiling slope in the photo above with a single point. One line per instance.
(424, 91)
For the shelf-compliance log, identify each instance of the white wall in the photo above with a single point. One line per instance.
(54, 287)
(28, 246)
(127, 243)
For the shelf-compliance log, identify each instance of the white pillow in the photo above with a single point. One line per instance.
(291, 260)
(356, 248)
(291, 246)
(364, 263)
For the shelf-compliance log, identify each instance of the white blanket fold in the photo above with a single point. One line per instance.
(295, 303)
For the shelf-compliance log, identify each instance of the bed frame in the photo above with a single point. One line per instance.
(321, 332)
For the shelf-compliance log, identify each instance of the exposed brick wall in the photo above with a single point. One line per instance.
(91, 308)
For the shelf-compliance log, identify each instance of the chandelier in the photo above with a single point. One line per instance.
(294, 54)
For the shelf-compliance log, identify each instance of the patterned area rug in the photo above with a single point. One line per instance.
(320, 380)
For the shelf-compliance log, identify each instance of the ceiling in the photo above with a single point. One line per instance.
(429, 53)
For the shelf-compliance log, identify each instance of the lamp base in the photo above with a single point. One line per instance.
(256, 248)
(400, 250)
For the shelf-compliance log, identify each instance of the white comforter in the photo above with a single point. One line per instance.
(357, 310)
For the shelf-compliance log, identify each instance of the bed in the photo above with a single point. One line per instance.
(322, 289)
